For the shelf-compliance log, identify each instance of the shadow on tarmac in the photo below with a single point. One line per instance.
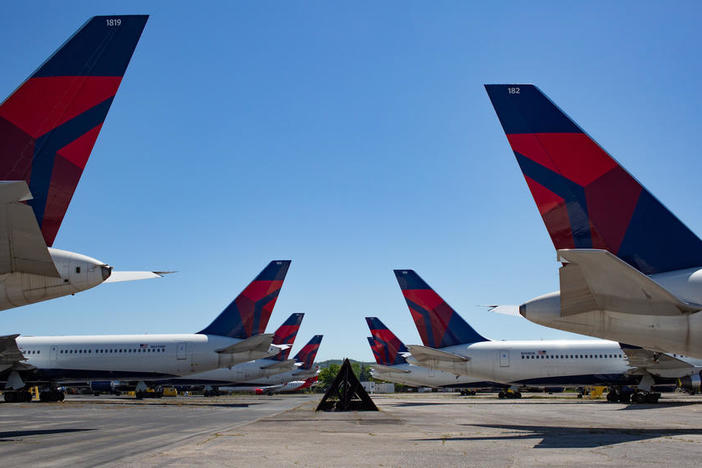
(7, 436)
(660, 404)
(571, 437)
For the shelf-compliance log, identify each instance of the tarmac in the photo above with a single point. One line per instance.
(409, 430)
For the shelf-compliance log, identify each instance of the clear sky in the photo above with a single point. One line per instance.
(353, 138)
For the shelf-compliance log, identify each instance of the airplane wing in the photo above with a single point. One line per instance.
(22, 245)
(10, 355)
(593, 279)
(425, 353)
(260, 342)
(288, 364)
(119, 276)
(389, 369)
(652, 360)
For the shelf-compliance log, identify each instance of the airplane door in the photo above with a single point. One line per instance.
(504, 358)
(54, 353)
(181, 351)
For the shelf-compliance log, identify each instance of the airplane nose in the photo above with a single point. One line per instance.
(106, 271)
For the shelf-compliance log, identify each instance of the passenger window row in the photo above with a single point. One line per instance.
(576, 356)
(111, 351)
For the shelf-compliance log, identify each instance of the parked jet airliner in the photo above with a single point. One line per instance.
(452, 345)
(48, 127)
(260, 368)
(235, 336)
(391, 355)
(305, 368)
(632, 271)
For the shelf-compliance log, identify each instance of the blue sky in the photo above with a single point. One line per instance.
(352, 138)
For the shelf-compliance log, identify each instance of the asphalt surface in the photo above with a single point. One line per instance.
(409, 430)
(90, 431)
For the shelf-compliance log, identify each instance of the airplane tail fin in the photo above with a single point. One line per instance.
(248, 314)
(49, 125)
(388, 345)
(586, 199)
(308, 353)
(377, 349)
(438, 324)
(285, 335)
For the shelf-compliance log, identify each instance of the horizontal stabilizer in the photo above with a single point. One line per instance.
(288, 364)
(593, 279)
(425, 353)
(260, 342)
(119, 276)
(505, 309)
(390, 369)
(22, 245)
(652, 360)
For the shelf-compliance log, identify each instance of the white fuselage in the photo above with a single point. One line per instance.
(244, 372)
(78, 273)
(64, 359)
(680, 334)
(282, 378)
(539, 363)
(420, 376)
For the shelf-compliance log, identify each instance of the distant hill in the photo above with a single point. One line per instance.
(328, 362)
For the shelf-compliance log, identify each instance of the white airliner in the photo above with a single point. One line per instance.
(252, 370)
(48, 127)
(391, 357)
(452, 345)
(235, 336)
(632, 271)
(304, 369)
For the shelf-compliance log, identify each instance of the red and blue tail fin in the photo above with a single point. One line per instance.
(386, 343)
(308, 352)
(49, 125)
(586, 199)
(438, 324)
(285, 335)
(378, 351)
(248, 314)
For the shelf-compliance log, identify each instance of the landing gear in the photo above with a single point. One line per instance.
(465, 392)
(140, 395)
(509, 394)
(211, 393)
(51, 395)
(618, 395)
(18, 397)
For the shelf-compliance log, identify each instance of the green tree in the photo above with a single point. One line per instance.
(327, 375)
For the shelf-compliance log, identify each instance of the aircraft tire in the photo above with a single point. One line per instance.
(625, 397)
(10, 397)
(501, 395)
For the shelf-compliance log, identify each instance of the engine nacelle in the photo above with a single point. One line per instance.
(104, 386)
(691, 384)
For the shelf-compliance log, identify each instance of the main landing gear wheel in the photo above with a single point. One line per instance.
(17, 397)
(51, 396)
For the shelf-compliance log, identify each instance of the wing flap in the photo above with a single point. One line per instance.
(651, 360)
(593, 279)
(390, 369)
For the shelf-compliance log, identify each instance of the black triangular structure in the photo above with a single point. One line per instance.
(346, 393)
